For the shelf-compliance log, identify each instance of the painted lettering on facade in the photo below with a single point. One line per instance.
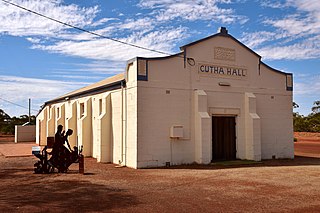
(222, 70)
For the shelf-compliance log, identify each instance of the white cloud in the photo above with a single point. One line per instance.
(255, 39)
(165, 3)
(104, 67)
(273, 4)
(20, 87)
(304, 93)
(19, 90)
(66, 75)
(145, 23)
(295, 25)
(305, 89)
(295, 36)
(306, 5)
(166, 10)
(147, 31)
(104, 49)
(34, 40)
(103, 21)
(306, 86)
(17, 22)
(306, 49)
(84, 36)
(93, 70)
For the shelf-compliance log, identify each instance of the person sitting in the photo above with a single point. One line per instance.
(57, 148)
(66, 153)
(58, 141)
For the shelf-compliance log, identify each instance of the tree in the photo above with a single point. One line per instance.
(316, 107)
(4, 120)
(314, 122)
(310, 123)
(4, 117)
(7, 124)
(300, 123)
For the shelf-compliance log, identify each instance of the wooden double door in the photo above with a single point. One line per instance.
(223, 138)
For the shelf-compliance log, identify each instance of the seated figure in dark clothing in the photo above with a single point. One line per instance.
(61, 154)
(58, 140)
(59, 134)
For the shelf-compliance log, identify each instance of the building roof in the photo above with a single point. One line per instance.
(115, 82)
(275, 70)
(106, 84)
(223, 32)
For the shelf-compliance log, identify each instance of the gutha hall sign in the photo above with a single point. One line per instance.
(222, 71)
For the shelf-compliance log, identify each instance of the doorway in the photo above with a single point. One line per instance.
(223, 138)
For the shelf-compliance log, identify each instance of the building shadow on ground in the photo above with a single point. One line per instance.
(297, 161)
(46, 193)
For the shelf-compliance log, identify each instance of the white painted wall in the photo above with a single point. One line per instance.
(25, 133)
(41, 127)
(71, 121)
(51, 121)
(84, 128)
(133, 128)
(264, 127)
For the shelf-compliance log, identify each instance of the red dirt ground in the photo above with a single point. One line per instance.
(273, 186)
(6, 138)
(10, 149)
(270, 186)
(308, 144)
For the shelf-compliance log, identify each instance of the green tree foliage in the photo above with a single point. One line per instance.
(4, 120)
(7, 124)
(310, 123)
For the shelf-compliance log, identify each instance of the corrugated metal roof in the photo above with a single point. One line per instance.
(104, 82)
(91, 88)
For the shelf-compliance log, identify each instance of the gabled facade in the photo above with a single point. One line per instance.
(213, 101)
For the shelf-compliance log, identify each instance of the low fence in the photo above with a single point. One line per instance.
(25, 133)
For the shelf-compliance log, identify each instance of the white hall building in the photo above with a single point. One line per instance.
(215, 100)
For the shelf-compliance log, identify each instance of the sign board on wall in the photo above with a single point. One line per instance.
(222, 53)
(222, 71)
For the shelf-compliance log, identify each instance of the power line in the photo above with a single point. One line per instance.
(17, 104)
(84, 30)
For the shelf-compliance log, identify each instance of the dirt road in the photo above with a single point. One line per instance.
(273, 186)
(270, 186)
(308, 144)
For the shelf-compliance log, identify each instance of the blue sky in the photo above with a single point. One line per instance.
(41, 59)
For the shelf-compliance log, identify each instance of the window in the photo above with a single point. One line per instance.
(100, 106)
(58, 112)
(49, 112)
(81, 110)
(289, 82)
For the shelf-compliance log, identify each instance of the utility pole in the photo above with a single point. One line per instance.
(29, 110)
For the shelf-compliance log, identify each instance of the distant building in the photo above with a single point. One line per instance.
(215, 100)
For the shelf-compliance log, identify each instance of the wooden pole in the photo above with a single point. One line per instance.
(29, 110)
(81, 164)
